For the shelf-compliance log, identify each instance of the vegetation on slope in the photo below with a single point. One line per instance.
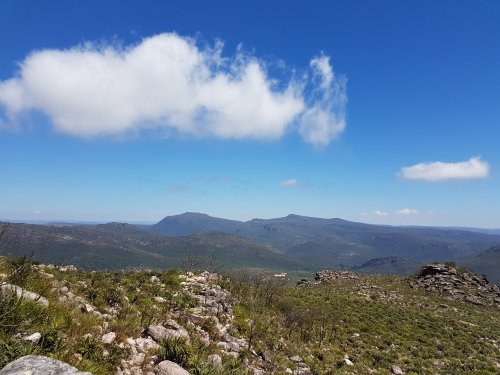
(353, 325)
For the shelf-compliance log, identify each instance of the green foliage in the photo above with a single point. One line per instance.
(17, 313)
(90, 348)
(12, 349)
(377, 320)
(176, 350)
(21, 268)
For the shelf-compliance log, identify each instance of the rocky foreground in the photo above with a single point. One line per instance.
(150, 323)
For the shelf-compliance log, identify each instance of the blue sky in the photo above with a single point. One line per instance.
(373, 111)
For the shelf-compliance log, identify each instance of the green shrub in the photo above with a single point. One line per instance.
(12, 349)
(176, 350)
(90, 348)
(21, 269)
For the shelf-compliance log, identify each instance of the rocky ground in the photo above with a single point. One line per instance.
(221, 325)
(457, 284)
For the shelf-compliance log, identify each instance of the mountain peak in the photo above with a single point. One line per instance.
(197, 214)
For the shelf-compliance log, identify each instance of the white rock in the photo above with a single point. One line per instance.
(348, 362)
(146, 344)
(108, 338)
(169, 368)
(34, 338)
(22, 293)
(159, 299)
(38, 365)
(138, 359)
(396, 370)
(87, 308)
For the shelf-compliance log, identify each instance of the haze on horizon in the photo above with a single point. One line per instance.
(379, 112)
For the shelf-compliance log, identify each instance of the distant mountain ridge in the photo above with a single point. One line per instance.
(123, 246)
(336, 241)
(487, 263)
(289, 243)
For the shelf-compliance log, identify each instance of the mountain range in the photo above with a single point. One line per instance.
(283, 244)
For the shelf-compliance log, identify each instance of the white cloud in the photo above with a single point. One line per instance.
(289, 183)
(168, 82)
(407, 212)
(323, 70)
(438, 171)
(323, 119)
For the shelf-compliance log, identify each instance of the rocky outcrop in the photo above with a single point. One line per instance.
(39, 365)
(456, 283)
(214, 306)
(212, 309)
(22, 293)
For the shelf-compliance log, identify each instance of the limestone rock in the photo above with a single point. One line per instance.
(108, 338)
(168, 368)
(22, 293)
(34, 338)
(160, 333)
(396, 370)
(39, 365)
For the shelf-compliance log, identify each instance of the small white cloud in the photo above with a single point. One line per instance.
(167, 83)
(407, 212)
(289, 183)
(473, 168)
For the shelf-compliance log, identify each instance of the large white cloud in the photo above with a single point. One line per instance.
(438, 171)
(168, 82)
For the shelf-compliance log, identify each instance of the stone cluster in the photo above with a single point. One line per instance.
(457, 283)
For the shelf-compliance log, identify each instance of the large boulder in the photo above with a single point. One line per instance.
(160, 332)
(169, 368)
(39, 365)
(23, 293)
